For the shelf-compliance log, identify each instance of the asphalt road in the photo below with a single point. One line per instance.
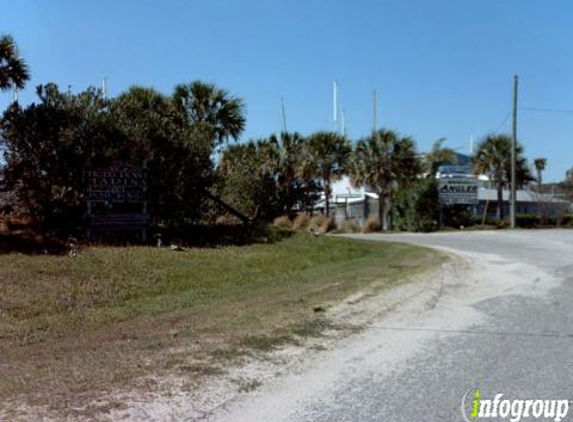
(503, 324)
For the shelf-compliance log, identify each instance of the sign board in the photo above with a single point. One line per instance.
(117, 200)
(117, 184)
(458, 191)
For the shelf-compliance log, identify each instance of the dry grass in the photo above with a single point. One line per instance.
(282, 221)
(323, 224)
(301, 221)
(371, 225)
(118, 318)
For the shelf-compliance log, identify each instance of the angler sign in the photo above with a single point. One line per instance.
(458, 191)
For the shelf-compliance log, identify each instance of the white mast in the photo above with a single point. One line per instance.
(283, 114)
(374, 111)
(104, 88)
(335, 106)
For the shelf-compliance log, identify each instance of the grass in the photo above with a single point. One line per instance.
(73, 329)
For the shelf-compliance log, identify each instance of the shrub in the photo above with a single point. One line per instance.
(282, 221)
(371, 225)
(350, 227)
(322, 224)
(301, 221)
(318, 220)
(458, 216)
(417, 209)
(527, 221)
(328, 225)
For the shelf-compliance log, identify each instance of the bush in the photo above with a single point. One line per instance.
(417, 209)
(350, 227)
(301, 221)
(328, 225)
(318, 220)
(322, 224)
(566, 221)
(371, 225)
(282, 221)
(459, 216)
(527, 221)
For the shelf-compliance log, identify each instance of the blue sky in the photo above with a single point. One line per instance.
(442, 68)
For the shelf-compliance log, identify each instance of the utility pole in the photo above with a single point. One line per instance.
(513, 154)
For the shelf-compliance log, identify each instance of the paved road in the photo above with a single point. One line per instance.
(504, 324)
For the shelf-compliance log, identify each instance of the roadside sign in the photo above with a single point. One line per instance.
(117, 184)
(458, 191)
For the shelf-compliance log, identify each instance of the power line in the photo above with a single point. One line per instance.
(546, 110)
(504, 121)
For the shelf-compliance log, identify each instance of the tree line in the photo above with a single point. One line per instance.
(185, 140)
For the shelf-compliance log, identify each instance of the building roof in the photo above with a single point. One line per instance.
(486, 194)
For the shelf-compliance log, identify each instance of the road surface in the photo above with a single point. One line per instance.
(503, 324)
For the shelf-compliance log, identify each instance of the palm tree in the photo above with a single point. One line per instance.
(437, 156)
(540, 164)
(385, 162)
(283, 158)
(493, 158)
(211, 108)
(13, 69)
(325, 156)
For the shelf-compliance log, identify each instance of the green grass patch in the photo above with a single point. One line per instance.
(112, 317)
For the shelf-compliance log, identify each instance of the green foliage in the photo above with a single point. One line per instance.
(284, 160)
(13, 69)
(387, 163)
(267, 176)
(243, 183)
(177, 155)
(49, 144)
(493, 158)
(325, 158)
(459, 216)
(210, 109)
(437, 156)
(417, 209)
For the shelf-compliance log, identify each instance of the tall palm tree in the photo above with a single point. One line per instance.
(493, 158)
(283, 158)
(13, 69)
(212, 109)
(385, 162)
(540, 164)
(437, 156)
(325, 157)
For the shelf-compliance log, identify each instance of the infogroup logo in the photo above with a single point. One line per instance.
(475, 407)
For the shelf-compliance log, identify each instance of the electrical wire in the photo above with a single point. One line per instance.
(546, 110)
(504, 121)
